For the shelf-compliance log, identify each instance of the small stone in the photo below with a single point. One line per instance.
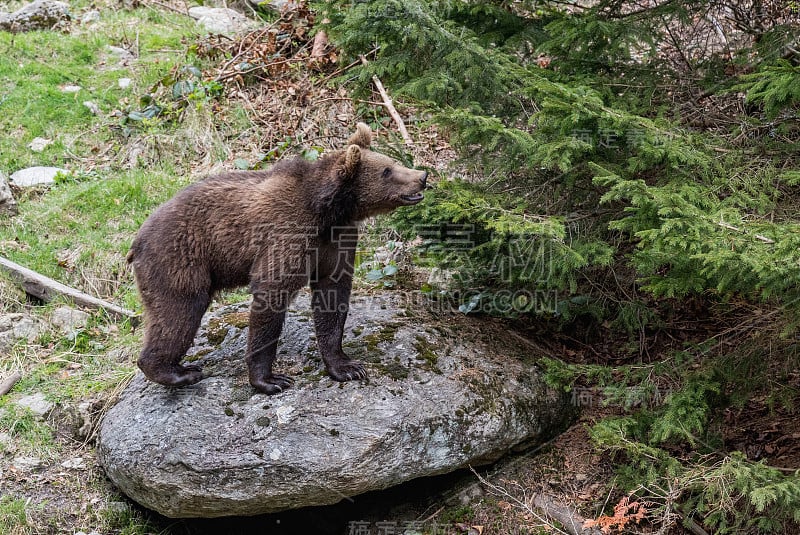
(120, 354)
(68, 319)
(124, 83)
(26, 464)
(117, 507)
(93, 108)
(283, 5)
(35, 176)
(84, 419)
(124, 56)
(36, 403)
(219, 19)
(38, 144)
(76, 463)
(90, 16)
(16, 326)
(70, 88)
(284, 413)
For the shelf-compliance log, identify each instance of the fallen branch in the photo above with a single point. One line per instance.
(46, 289)
(9, 382)
(564, 515)
(571, 522)
(387, 100)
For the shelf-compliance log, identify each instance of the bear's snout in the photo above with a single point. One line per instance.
(424, 180)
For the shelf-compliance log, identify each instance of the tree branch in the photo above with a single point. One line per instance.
(46, 289)
(9, 382)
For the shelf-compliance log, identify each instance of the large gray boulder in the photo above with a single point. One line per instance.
(38, 15)
(443, 394)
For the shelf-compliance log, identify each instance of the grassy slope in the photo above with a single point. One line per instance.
(78, 232)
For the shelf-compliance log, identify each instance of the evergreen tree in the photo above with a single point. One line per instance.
(631, 159)
(574, 161)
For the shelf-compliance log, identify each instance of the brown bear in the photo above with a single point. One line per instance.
(276, 230)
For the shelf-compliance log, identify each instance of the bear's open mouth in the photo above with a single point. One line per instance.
(412, 199)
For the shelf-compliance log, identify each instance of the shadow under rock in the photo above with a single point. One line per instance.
(392, 510)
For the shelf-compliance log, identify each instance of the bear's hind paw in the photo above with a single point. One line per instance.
(176, 375)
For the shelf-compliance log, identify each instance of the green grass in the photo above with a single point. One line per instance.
(78, 231)
(125, 520)
(14, 516)
(35, 66)
(29, 433)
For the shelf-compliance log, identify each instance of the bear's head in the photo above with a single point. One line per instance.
(379, 183)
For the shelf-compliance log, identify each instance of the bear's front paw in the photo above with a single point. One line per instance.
(274, 384)
(347, 370)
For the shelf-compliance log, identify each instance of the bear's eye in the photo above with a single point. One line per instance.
(386, 172)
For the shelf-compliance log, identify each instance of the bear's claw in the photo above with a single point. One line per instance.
(274, 384)
(350, 370)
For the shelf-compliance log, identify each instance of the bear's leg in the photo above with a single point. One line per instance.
(267, 314)
(330, 302)
(170, 329)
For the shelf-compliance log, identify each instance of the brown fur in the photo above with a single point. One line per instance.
(276, 230)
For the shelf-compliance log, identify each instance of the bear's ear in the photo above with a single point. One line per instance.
(352, 157)
(361, 137)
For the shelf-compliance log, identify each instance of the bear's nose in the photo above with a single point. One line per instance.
(424, 179)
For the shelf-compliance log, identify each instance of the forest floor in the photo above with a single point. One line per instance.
(168, 105)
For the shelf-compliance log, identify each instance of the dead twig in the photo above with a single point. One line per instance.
(390, 106)
(691, 525)
(759, 237)
(345, 68)
(564, 515)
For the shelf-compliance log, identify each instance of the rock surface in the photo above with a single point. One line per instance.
(38, 15)
(38, 144)
(8, 206)
(90, 17)
(220, 19)
(36, 403)
(36, 176)
(68, 319)
(443, 394)
(15, 326)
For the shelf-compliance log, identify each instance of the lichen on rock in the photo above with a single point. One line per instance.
(435, 402)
